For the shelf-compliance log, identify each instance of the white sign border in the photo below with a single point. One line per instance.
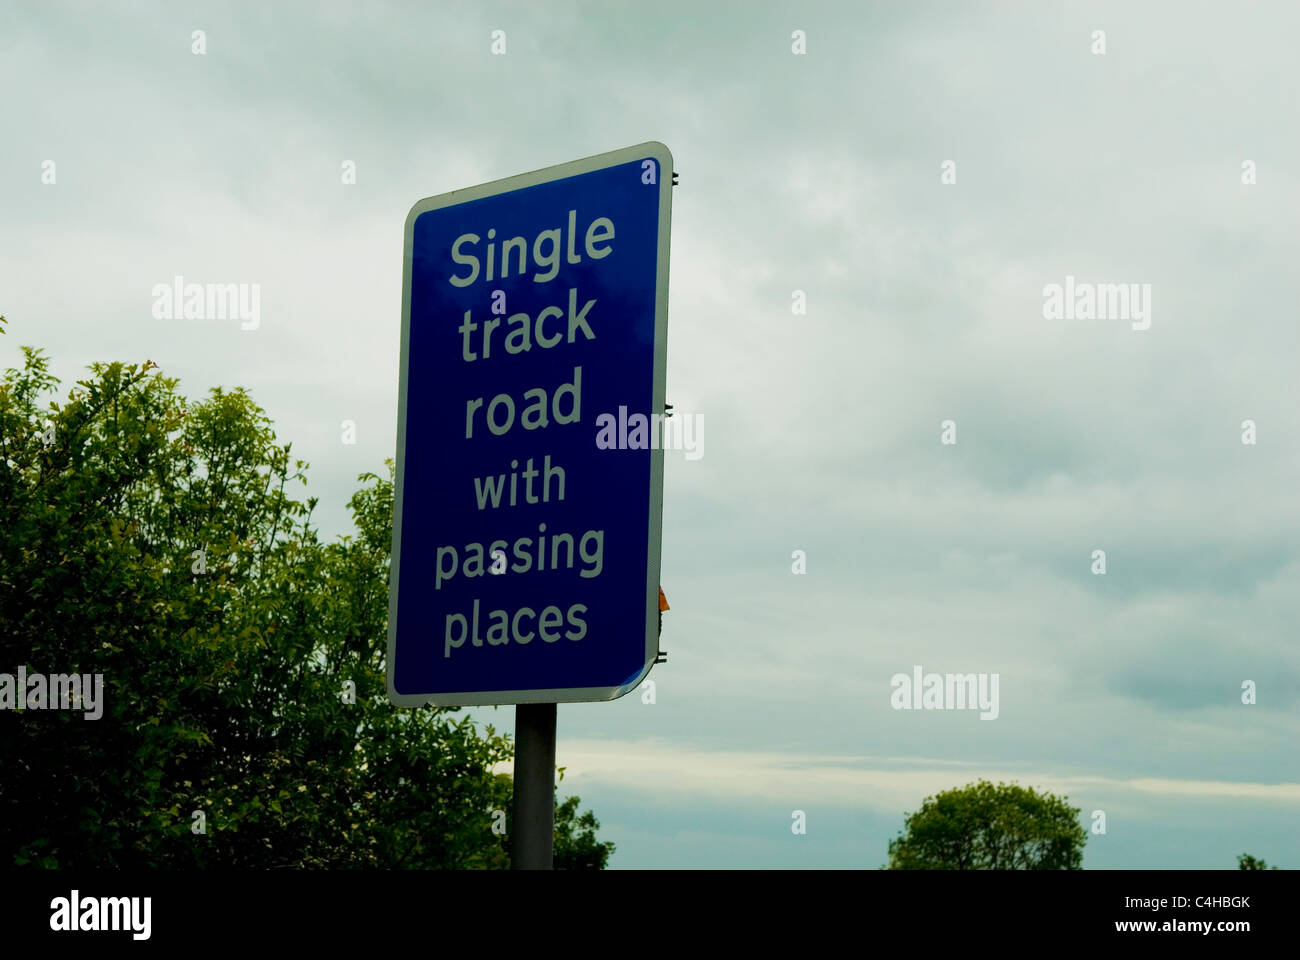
(650, 149)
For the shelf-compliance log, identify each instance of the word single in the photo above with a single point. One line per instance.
(949, 691)
(102, 913)
(599, 230)
(61, 691)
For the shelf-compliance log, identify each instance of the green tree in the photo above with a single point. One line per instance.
(1247, 862)
(158, 542)
(986, 827)
(576, 846)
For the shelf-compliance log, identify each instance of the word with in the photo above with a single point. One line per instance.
(490, 487)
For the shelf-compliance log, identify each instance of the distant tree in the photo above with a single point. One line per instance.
(576, 846)
(986, 827)
(1247, 862)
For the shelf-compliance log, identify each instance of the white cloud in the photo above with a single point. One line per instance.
(884, 784)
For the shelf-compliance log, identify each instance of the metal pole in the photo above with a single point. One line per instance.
(534, 799)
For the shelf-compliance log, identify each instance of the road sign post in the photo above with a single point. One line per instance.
(534, 787)
(529, 480)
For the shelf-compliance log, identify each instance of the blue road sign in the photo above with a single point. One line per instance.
(529, 488)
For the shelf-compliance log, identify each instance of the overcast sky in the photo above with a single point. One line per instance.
(820, 172)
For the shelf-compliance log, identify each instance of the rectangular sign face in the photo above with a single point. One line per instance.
(529, 487)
